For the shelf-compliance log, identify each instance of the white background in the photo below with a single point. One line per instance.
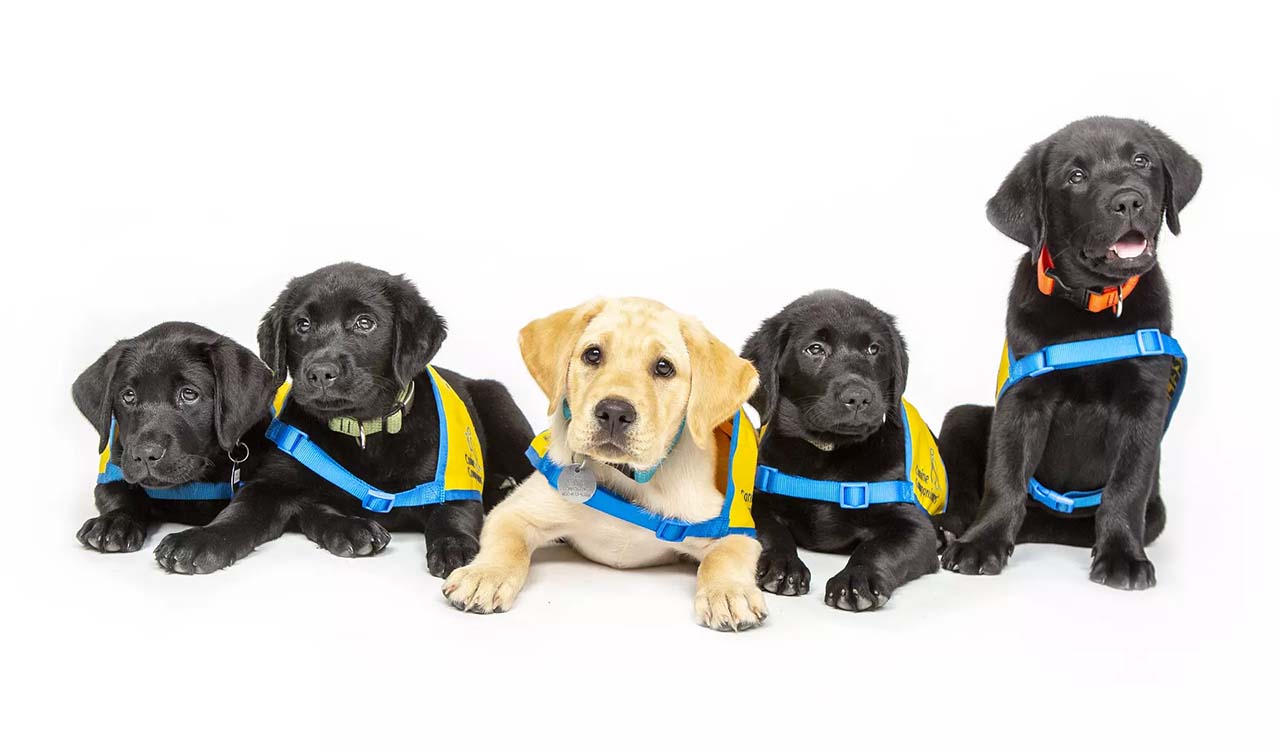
(182, 161)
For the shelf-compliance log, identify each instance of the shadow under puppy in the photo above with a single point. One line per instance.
(180, 413)
(846, 464)
(649, 460)
(1090, 374)
(369, 431)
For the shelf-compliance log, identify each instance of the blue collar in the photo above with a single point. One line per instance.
(1146, 342)
(298, 445)
(635, 475)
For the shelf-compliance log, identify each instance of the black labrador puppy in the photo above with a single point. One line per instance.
(178, 409)
(357, 342)
(833, 369)
(1088, 202)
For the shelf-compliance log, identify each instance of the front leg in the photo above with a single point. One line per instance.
(257, 515)
(122, 522)
(531, 516)
(1019, 431)
(452, 531)
(340, 534)
(902, 547)
(727, 597)
(780, 570)
(1119, 557)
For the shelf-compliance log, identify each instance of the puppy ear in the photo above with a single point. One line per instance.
(273, 344)
(901, 363)
(1017, 209)
(547, 344)
(721, 381)
(419, 329)
(764, 350)
(94, 393)
(1181, 176)
(242, 390)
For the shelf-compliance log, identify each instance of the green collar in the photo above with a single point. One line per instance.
(391, 423)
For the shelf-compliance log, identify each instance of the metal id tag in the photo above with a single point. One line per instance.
(235, 476)
(577, 484)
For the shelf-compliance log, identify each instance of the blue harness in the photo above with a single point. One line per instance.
(928, 492)
(1147, 342)
(734, 517)
(109, 472)
(297, 444)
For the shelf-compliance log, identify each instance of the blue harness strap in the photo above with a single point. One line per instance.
(188, 491)
(298, 445)
(851, 495)
(666, 529)
(1146, 342)
(200, 491)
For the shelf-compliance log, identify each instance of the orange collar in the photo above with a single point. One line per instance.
(1110, 298)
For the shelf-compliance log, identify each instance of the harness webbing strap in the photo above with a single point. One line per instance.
(298, 445)
(666, 529)
(1146, 342)
(845, 494)
(188, 491)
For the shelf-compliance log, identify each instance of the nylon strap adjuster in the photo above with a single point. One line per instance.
(670, 530)
(378, 501)
(854, 495)
(1143, 335)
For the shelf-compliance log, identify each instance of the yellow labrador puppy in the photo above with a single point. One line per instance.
(628, 471)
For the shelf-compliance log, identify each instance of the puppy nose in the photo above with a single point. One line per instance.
(322, 374)
(149, 452)
(615, 415)
(856, 397)
(1127, 202)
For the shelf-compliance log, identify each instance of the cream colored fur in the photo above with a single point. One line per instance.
(710, 383)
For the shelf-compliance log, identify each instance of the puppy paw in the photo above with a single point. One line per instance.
(113, 532)
(483, 588)
(730, 606)
(858, 589)
(1122, 571)
(446, 554)
(196, 551)
(348, 536)
(978, 557)
(782, 574)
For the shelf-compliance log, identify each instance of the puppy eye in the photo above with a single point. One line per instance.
(365, 323)
(302, 326)
(189, 395)
(1141, 161)
(1077, 176)
(873, 349)
(664, 369)
(593, 356)
(815, 349)
(128, 397)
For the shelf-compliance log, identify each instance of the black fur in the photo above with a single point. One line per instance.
(370, 367)
(1087, 428)
(845, 398)
(163, 439)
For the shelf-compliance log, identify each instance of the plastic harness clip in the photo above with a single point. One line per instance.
(378, 501)
(1149, 351)
(854, 495)
(670, 530)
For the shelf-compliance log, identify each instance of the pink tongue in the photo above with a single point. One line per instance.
(1129, 248)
